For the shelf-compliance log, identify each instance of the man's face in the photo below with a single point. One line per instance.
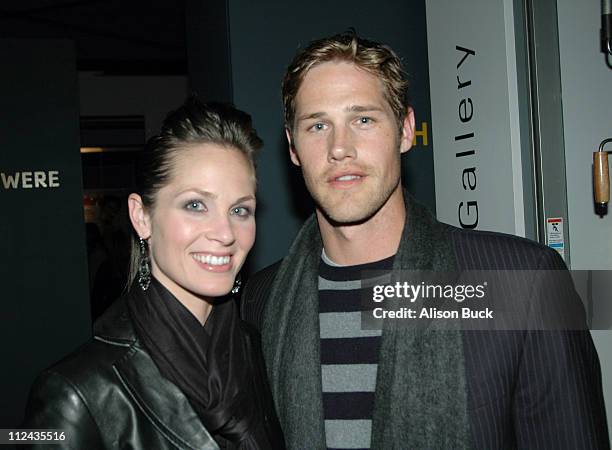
(347, 142)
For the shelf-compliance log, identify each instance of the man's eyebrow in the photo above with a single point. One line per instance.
(363, 108)
(316, 115)
(352, 108)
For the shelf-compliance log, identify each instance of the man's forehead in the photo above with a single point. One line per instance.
(337, 69)
(342, 81)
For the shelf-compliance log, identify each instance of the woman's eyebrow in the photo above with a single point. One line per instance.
(245, 198)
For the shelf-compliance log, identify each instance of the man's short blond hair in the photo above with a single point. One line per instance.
(373, 57)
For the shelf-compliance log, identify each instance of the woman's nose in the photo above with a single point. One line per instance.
(221, 230)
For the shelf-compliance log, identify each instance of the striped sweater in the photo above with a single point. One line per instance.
(349, 355)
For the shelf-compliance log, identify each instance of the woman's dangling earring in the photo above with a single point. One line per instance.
(237, 284)
(144, 270)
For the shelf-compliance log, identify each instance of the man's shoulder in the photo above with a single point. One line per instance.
(263, 278)
(255, 293)
(491, 250)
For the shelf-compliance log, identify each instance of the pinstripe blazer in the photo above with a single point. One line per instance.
(526, 389)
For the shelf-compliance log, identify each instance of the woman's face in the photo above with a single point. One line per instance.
(202, 225)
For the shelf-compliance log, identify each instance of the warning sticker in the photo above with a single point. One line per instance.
(554, 235)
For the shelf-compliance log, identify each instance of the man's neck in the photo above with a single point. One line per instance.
(373, 240)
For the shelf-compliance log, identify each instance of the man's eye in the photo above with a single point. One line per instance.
(241, 211)
(365, 120)
(195, 205)
(318, 126)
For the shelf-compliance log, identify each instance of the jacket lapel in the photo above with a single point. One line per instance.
(160, 400)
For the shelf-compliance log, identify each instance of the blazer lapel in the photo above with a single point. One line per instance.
(162, 402)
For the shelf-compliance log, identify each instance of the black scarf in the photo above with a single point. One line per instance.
(209, 363)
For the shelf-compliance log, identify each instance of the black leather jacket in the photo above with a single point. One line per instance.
(109, 394)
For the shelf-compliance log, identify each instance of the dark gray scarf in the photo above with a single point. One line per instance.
(421, 398)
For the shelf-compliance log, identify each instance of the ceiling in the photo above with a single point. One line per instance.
(119, 37)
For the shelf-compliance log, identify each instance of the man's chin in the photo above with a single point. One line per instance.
(347, 216)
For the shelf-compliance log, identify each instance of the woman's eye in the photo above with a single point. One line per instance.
(195, 205)
(241, 211)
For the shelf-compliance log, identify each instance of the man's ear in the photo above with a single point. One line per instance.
(292, 152)
(407, 131)
(139, 216)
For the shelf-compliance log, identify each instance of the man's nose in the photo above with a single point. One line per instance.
(342, 145)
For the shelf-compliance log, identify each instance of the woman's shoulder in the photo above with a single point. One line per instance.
(90, 365)
(76, 381)
(70, 391)
(74, 387)
(56, 402)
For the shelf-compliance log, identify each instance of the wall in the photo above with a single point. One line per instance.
(151, 97)
(587, 118)
(264, 39)
(43, 273)
(477, 116)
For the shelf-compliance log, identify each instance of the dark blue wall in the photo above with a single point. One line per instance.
(43, 272)
(264, 37)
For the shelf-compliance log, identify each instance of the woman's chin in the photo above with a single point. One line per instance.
(211, 292)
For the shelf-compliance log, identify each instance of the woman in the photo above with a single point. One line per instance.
(171, 365)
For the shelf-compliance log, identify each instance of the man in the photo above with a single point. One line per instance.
(337, 385)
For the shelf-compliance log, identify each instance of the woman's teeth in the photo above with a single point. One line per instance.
(212, 260)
